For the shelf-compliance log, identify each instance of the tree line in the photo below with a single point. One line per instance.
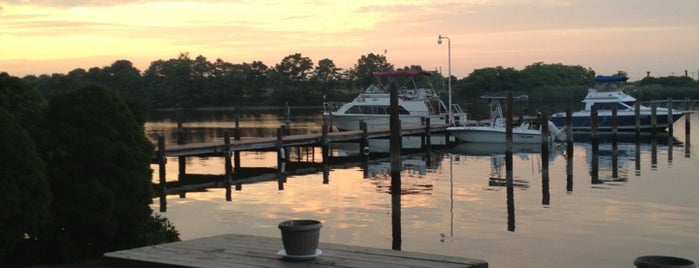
(186, 82)
(75, 177)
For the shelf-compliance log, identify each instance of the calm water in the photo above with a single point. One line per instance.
(648, 205)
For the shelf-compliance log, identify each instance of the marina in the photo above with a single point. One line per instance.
(639, 203)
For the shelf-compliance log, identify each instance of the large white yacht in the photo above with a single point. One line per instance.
(417, 100)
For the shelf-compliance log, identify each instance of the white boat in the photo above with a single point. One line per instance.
(416, 102)
(495, 131)
(609, 96)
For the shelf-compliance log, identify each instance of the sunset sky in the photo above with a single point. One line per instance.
(44, 36)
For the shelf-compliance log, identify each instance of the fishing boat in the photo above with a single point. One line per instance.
(417, 101)
(495, 131)
(609, 95)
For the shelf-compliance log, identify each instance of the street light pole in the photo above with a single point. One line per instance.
(439, 41)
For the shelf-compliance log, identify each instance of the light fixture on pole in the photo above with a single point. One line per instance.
(439, 41)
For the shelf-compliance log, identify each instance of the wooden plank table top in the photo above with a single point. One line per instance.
(235, 250)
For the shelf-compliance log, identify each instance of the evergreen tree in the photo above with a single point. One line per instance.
(24, 191)
(98, 161)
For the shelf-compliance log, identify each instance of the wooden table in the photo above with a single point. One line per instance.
(234, 250)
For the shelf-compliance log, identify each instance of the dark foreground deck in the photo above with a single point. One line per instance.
(235, 250)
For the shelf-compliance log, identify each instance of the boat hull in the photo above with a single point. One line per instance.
(626, 120)
(495, 135)
(344, 122)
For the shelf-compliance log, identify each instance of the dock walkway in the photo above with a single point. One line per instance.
(235, 250)
(271, 143)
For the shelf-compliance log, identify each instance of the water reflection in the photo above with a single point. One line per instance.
(461, 211)
(611, 157)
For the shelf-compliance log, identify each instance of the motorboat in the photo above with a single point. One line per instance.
(608, 96)
(417, 101)
(495, 131)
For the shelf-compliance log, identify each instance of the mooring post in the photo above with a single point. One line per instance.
(229, 168)
(569, 166)
(687, 126)
(594, 119)
(181, 160)
(396, 165)
(281, 157)
(428, 133)
(422, 137)
(669, 117)
(653, 152)
(324, 142)
(364, 143)
(653, 118)
(508, 124)
(509, 180)
(614, 122)
(638, 157)
(161, 172)
(615, 153)
(569, 125)
(687, 140)
(545, 143)
(637, 113)
(595, 161)
(545, 138)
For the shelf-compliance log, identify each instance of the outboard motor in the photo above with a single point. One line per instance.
(558, 134)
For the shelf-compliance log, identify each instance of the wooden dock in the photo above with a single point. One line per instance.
(273, 143)
(234, 250)
(230, 150)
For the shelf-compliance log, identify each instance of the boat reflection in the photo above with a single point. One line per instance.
(497, 153)
(610, 155)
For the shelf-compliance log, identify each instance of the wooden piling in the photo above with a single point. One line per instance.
(637, 113)
(325, 150)
(594, 122)
(595, 145)
(687, 126)
(569, 166)
(614, 122)
(161, 174)
(569, 125)
(654, 118)
(687, 139)
(281, 156)
(669, 117)
(181, 160)
(594, 172)
(653, 153)
(615, 153)
(638, 158)
(545, 140)
(364, 142)
(228, 167)
(670, 149)
(395, 150)
(428, 134)
(509, 179)
(508, 123)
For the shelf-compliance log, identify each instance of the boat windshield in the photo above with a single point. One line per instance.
(374, 109)
(612, 105)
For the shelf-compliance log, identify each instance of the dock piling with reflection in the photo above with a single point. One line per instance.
(282, 144)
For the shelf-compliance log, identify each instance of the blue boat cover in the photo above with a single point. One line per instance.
(609, 79)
